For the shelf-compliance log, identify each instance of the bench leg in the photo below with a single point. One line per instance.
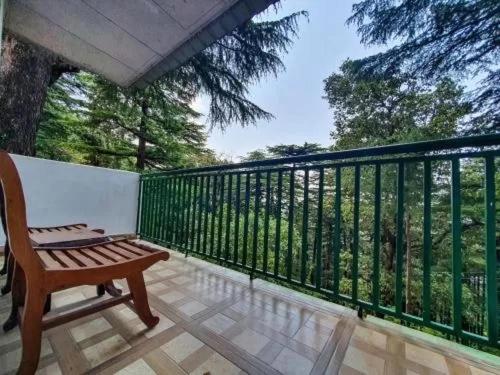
(140, 299)
(18, 294)
(6, 252)
(31, 329)
(10, 270)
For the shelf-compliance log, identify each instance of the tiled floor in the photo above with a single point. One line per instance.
(216, 321)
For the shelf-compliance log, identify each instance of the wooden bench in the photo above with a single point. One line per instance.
(47, 270)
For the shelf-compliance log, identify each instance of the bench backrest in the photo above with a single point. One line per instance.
(15, 216)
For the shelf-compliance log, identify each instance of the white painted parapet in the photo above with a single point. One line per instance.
(60, 193)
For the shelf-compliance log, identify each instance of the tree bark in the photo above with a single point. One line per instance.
(26, 72)
(141, 147)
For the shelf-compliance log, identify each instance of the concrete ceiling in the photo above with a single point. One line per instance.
(130, 42)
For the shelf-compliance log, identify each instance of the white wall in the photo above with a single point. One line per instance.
(59, 193)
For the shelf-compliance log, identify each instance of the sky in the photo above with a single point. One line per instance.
(295, 96)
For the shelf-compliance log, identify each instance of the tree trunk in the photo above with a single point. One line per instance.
(141, 147)
(25, 74)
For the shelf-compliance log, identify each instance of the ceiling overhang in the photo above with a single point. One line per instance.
(129, 42)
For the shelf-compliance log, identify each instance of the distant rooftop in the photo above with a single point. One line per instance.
(130, 42)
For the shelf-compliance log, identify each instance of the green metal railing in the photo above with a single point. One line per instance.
(396, 230)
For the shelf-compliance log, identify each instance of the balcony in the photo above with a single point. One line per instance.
(317, 294)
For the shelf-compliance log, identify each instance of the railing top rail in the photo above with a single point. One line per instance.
(415, 147)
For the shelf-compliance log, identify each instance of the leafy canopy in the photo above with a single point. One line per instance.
(436, 38)
(372, 110)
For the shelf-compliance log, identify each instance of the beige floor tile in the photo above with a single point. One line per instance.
(166, 273)
(219, 323)
(250, 341)
(9, 337)
(172, 296)
(52, 369)
(292, 363)
(217, 365)
(180, 280)
(164, 324)
(106, 349)
(425, 357)
(9, 361)
(156, 288)
(66, 298)
(182, 346)
(318, 318)
(139, 367)
(371, 337)
(89, 329)
(311, 337)
(364, 362)
(193, 307)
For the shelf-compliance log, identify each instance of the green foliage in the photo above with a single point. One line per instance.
(376, 110)
(89, 120)
(436, 38)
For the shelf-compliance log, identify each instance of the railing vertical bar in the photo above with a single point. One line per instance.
(491, 252)
(144, 207)
(319, 229)
(163, 209)
(138, 217)
(154, 221)
(237, 218)
(181, 229)
(168, 226)
(355, 244)
(175, 210)
(277, 242)
(399, 238)
(149, 207)
(213, 214)
(246, 219)
(426, 298)
(305, 229)
(256, 221)
(266, 222)
(221, 217)
(289, 256)
(337, 230)
(376, 239)
(192, 241)
(205, 219)
(200, 215)
(456, 230)
(228, 215)
(187, 235)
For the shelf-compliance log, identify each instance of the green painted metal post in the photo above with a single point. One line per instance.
(237, 209)
(305, 229)
(399, 238)
(277, 240)
(289, 256)
(319, 230)
(246, 220)
(266, 222)
(376, 239)
(355, 234)
(228, 216)
(256, 209)
(491, 253)
(221, 217)
(336, 234)
(426, 298)
(456, 232)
